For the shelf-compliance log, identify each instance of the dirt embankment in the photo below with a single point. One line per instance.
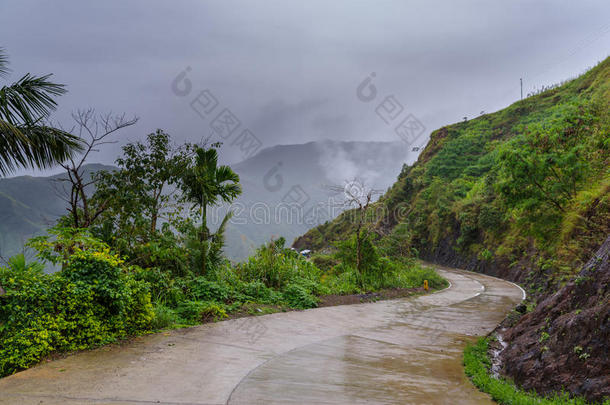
(563, 343)
(385, 294)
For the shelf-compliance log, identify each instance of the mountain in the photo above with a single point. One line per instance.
(29, 205)
(287, 189)
(522, 193)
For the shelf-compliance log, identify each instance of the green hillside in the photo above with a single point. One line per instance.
(29, 206)
(524, 194)
(526, 186)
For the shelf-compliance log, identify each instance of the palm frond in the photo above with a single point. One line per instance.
(36, 146)
(29, 100)
(25, 141)
(4, 70)
(206, 183)
(228, 192)
(225, 173)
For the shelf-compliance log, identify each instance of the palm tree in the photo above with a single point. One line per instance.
(25, 141)
(205, 184)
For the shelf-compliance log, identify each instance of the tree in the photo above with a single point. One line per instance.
(139, 193)
(397, 242)
(208, 251)
(93, 130)
(360, 197)
(205, 184)
(541, 170)
(25, 140)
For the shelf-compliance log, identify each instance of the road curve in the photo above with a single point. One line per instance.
(404, 351)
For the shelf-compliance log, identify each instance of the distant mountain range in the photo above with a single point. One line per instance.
(29, 205)
(281, 186)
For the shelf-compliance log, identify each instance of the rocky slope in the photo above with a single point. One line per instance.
(563, 342)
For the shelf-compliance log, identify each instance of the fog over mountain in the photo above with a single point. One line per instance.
(288, 189)
(289, 70)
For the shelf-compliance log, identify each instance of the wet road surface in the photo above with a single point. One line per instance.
(404, 351)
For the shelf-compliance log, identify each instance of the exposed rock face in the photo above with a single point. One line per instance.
(563, 343)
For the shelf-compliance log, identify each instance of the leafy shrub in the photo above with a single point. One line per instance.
(165, 317)
(468, 226)
(259, 292)
(343, 280)
(164, 288)
(490, 217)
(314, 287)
(205, 290)
(398, 243)
(92, 301)
(164, 251)
(276, 267)
(346, 253)
(324, 262)
(414, 276)
(190, 311)
(298, 297)
(201, 311)
(485, 254)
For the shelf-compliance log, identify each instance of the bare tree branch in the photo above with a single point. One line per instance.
(357, 195)
(94, 130)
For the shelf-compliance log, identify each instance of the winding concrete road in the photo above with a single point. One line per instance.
(404, 351)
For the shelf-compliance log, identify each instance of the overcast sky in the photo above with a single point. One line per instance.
(289, 70)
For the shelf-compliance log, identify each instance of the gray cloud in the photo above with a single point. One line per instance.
(289, 70)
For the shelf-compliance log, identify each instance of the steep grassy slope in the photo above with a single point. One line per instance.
(470, 201)
(522, 193)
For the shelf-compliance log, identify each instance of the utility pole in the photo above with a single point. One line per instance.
(521, 81)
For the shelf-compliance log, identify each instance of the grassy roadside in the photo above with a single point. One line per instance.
(98, 299)
(477, 366)
(253, 308)
(284, 282)
(406, 284)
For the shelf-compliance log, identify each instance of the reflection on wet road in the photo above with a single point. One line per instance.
(405, 351)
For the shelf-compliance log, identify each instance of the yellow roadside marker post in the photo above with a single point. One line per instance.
(426, 285)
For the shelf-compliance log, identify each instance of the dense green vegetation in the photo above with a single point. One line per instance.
(136, 254)
(534, 177)
(93, 300)
(477, 366)
(98, 297)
